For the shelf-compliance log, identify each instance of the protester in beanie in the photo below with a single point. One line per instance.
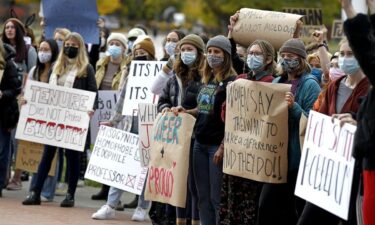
(143, 50)
(47, 55)
(10, 87)
(240, 196)
(277, 203)
(209, 128)
(182, 90)
(342, 96)
(108, 76)
(72, 69)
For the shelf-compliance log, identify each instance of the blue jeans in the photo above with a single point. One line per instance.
(4, 155)
(114, 196)
(208, 178)
(72, 168)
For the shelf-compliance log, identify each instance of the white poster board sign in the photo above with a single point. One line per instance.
(326, 169)
(106, 104)
(146, 116)
(141, 76)
(55, 115)
(115, 160)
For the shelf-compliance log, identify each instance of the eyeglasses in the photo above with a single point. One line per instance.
(255, 53)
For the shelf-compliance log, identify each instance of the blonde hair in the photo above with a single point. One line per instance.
(63, 31)
(81, 61)
(2, 55)
(226, 70)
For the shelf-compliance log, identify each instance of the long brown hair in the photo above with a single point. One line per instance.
(226, 70)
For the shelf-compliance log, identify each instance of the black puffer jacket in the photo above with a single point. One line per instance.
(169, 96)
(360, 32)
(10, 87)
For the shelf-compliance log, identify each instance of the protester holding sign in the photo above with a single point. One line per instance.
(10, 87)
(47, 55)
(144, 50)
(108, 75)
(72, 69)
(359, 30)
(240, 197)
(342, 96)
(278, 205)
(209, 128)
(182, 90)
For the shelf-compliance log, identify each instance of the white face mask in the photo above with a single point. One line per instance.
(170, 48)
(44, 57)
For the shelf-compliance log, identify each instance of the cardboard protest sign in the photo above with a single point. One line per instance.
(106, 104)
(275, 27)
(115, 160)
(326, 169)
(146, 115)
(169, 163)
(55, 115)
(29, 155)
(337, 29)
(256, 131)
(141, 76)
(75, 17)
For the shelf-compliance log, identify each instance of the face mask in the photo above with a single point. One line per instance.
(44, 57)
(114, 51)
(59, 44)
(130, 45)
(214, 61)
(188, 58)
(141, 58)
(317, 73)
(71, 52)
(289, 65)
(335, 73)
(348, 65)
(170, 47)
(254, 62)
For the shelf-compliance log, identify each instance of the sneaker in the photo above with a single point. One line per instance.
(14, 185)
(139, 214)
(104, 213)
(61, 189)
(44, 199)
(81, 183)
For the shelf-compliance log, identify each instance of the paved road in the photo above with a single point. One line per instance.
(12, 212)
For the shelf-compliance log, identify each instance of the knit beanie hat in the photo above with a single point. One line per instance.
(195, 40)
(295, 46)
(119, 37)
(135, 32)
(220, 41)
(147, 45)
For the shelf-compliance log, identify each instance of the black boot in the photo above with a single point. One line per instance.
(68, 201)
(32, 199)
(102, 194)
(133, 204)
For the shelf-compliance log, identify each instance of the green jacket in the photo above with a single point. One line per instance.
(101, 67)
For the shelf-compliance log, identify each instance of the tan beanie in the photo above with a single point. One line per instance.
(119, 37)
(193, 39)
(147, 45)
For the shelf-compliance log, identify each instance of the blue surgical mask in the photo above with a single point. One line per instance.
(316, 72)
(170, 48)
(214, 61)
(289, 65)
(130, 45)
(349, 65)
(60, 44)
(254, 62)
(188, 58)
(114, 51)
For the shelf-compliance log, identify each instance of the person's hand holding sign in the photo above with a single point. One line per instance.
(289, 98)
(232, 21)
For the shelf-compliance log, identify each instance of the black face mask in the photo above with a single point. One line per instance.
(141, 58)
(71, 52)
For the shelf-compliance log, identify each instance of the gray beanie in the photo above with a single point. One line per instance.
(295, 46)
(220, 41)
